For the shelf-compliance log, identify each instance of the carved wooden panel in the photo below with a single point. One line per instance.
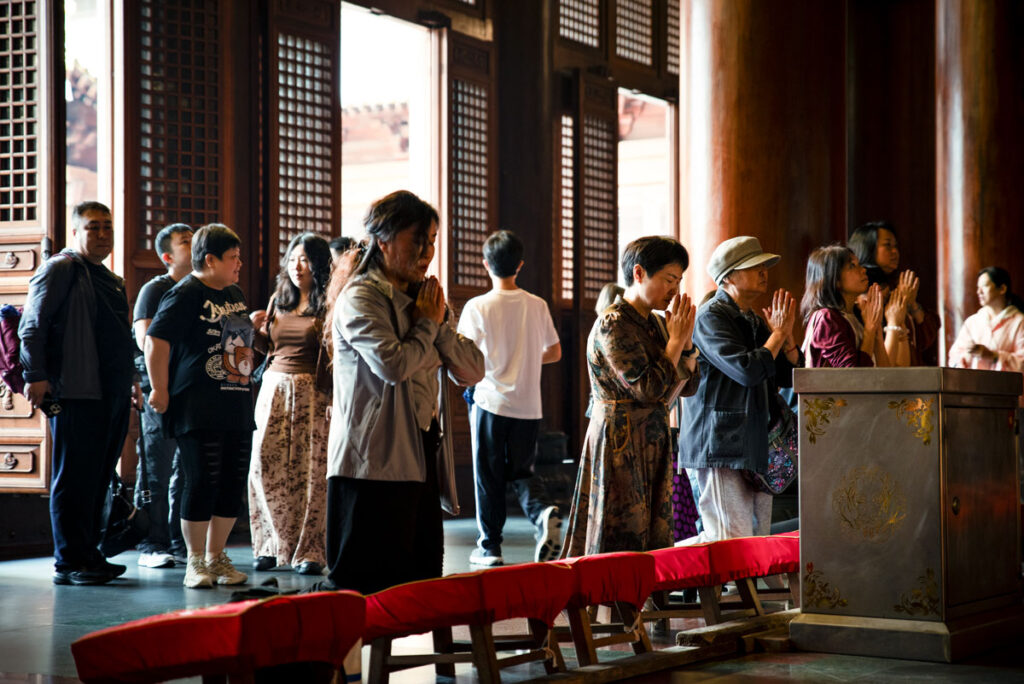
(599, 210)
(31, 166)
(672, 47)
(304, 123)
(567, 210)
(19, 113)
(303, 115)
(179, 116)
(579, 21)
(634, 31)
(472, 163)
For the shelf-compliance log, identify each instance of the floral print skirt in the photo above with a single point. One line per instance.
(288, 470)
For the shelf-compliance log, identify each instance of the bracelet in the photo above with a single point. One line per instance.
(687, 353)
(899, 330)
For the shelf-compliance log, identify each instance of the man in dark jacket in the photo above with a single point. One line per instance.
(743, 360)
(76, 348)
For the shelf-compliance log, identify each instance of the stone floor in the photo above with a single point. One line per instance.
(38, 622)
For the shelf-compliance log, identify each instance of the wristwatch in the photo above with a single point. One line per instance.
(687, 353)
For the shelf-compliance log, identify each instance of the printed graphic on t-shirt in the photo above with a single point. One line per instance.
(238, 353)
(231, 362)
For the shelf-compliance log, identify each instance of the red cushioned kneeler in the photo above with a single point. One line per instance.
(536, 591)
(707, 566)
(623, 580)
(229, 639)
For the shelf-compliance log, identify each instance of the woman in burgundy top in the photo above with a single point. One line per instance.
(835, 337)
(288, 470)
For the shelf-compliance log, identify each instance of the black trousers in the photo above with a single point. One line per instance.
(382, 533)
(214, 467)
(159, 474)
(87, 438)
(503, 448)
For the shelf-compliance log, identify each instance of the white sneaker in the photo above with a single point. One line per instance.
(226, 573)
(549, 535)
(486, 558)
(156, 560)
(197, 575)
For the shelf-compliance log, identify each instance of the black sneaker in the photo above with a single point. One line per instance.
(114, 569)
(84, 576)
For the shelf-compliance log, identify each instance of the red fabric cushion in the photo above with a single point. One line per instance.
(536, 590)
(222, 639)
(682, 567)
(531, 590)
(733, 559)
(624, 576)
(417, 607)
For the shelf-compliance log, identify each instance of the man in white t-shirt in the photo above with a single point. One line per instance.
(514, 330)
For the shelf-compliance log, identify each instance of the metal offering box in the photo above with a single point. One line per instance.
(910, 543)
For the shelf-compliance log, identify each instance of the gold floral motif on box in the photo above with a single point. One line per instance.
(870, 505)
(919, 415)
(819, 592)
(818, 414)
(921, 601)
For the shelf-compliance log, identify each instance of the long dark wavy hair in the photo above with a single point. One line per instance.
(318, 253)
(821, 291)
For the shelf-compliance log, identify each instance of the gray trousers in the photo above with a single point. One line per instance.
(729, 507)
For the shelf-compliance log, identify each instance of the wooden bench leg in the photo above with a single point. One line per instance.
(631, 621)
(582, 636)
(544, 638)
(485, 656)
(794, 588)
(443, 644)
(380, 651)
(709, 605)
(748, 592)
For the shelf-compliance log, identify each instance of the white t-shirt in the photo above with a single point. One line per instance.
(512, 328)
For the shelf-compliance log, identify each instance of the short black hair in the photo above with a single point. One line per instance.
(79, 210)
(652, 253)
(164, 237)
(503, 252)
(342, 243)
(212, 239)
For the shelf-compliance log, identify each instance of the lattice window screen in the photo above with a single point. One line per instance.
(634, 38)
(567, 208)
(580, 21)
(599, 205)
(469, 182)
(19, 112)
(179, 89)
(673, 37)
(304, 121)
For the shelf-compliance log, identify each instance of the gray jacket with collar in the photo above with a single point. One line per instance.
(383, 361)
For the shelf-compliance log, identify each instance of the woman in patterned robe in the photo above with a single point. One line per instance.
(639, 364)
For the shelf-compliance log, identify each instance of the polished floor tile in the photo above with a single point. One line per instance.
(38, 622)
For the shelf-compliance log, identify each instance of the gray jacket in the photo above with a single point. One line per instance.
(383, 362)
(725, 424)
(58, 340)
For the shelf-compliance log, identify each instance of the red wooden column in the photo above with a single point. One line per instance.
(979, 82)
(762, 130)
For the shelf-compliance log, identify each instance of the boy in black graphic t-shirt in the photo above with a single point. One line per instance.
(199, 356)
(158, 478)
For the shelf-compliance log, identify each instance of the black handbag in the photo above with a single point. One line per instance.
(126, 525)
